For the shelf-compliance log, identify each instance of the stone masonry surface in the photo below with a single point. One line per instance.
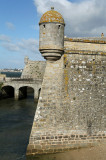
(71, 107)
(34, 69)
(71, 111)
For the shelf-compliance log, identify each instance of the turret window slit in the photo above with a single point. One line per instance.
(59, 26)
(44, 26)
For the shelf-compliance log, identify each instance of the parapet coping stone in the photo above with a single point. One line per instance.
(97, 40)
(84, 52)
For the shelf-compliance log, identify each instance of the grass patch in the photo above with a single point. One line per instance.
(1, 85)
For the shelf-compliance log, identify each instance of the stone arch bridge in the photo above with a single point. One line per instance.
(17, 87)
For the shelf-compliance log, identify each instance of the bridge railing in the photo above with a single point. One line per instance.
(22, 80)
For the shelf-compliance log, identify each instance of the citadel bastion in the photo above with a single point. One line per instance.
(71, 107)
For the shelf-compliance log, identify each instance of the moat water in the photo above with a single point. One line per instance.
(12, 74)
(16, 118)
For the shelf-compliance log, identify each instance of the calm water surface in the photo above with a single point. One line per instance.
(16, 119)
(12, 74)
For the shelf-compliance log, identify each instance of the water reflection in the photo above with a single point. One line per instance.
(16, 119)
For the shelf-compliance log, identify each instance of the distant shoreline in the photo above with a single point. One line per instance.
(10, 71)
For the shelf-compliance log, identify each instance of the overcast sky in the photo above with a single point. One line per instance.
(19, 29)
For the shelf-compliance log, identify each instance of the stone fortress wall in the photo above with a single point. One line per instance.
(90, 45)
(2, 77)
(36, 69)
(71, 108)
(33, 69)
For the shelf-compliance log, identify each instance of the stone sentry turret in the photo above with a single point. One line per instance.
(51, 39)
(26, 59)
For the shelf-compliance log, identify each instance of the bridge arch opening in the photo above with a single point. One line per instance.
(7, 91)
(26, 92)
(30, 92)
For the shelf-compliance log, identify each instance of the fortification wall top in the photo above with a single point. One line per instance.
(34, 69)
(101, 40)
(85, 45)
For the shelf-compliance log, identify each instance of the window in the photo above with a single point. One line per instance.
(59, 26)
(44, 26)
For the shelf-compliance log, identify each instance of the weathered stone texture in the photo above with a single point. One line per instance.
(84, 91)
(46, 117)
(48, 36)
(51, 36)
(34, 69)
(71, 107)
(85, 46)
(2, 77)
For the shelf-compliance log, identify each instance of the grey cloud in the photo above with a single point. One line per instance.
(24, 45)
(10, 25)
(10, 47)
(82, 18)
(4, 38)
(29, 45)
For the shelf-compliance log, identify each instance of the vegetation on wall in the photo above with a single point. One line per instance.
(66, 74)
(1, 85)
